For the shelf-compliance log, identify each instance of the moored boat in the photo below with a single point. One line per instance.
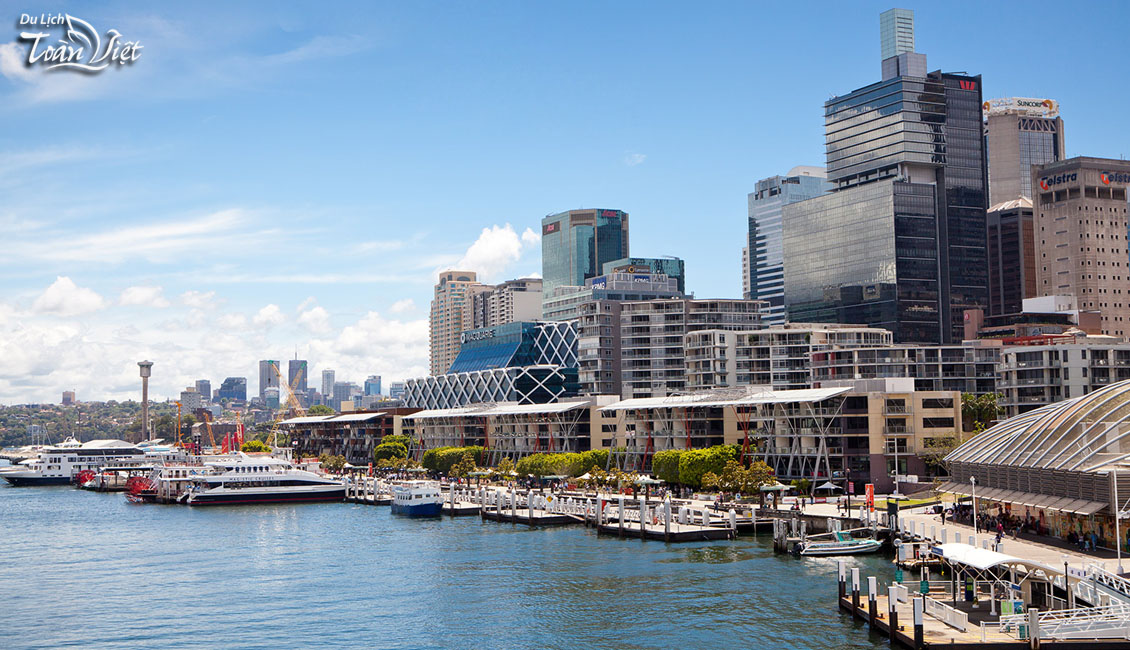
(260, 479)
(841, 544)
(59, 464)
(417, 499)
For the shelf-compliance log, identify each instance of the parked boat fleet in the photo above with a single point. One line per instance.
(153, 472)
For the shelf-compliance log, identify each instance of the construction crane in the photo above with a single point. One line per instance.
(292, 407)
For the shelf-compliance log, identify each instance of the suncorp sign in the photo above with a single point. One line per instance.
(1114, 177)
(1048, 182)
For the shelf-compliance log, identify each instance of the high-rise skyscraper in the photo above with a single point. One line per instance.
(269, 371)
(297, 368)
(452, 311)
(509, 302)
(1081, 233)
(373, 385)
(1020, 132)
(204, 387)
(900, 241)
(576, 244)
(896, 32)
(234, 388)
(327, 383)
(766, 263)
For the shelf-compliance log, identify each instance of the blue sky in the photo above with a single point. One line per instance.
(265, 178)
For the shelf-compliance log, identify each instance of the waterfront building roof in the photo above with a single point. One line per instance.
(754, 395)
(499, 408)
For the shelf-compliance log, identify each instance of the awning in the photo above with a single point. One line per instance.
(982, 559)
(1089, 507)
(955, 488)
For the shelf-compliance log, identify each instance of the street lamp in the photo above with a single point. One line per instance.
(973, 482)
(1068, 600)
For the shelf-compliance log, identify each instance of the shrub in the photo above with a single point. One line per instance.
(693, 464)
(389, 450)
(665, 465)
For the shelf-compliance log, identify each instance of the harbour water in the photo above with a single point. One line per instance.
(91, 570)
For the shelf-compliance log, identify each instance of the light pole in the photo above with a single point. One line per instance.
(146, 370)
(973, 482)
(1068, 600)
(1117, 522)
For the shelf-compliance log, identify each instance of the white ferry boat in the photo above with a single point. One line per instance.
(417, 498)
(246, 479)
(59, 464)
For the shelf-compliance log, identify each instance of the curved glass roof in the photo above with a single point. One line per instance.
(1080, 434)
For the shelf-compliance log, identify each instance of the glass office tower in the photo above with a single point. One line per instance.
(576, 244)
(766, 267)
(900, 242)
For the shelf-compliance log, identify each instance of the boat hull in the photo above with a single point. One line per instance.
(29, 480)
(232, 498)
(417, 509)
(846, 549)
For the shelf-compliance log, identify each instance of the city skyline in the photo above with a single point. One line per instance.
(186, 229)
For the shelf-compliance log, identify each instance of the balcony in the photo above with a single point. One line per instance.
(897, 430)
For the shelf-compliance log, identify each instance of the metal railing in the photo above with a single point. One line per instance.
(952, 617)
(1111, 622)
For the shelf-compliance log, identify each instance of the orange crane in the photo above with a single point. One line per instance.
(293, 406)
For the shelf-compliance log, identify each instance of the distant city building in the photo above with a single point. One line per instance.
(271, 398)
(204, 387)
(297, 369)
(509, 302)
(1020, 132)
(269, 372)
(1012, 256)
(343, 391)
(396, 390)
(576, 244)
(652, 334)
(617, 287)
(778, 356)
(672, 267)
(900, 241)
(451, 313)
(373, 385)
(896, 32)
(328, 384)
(68, 398)
(190, 400)
(747, 271)
(764, 254)
(1080, 210)
(234, 388)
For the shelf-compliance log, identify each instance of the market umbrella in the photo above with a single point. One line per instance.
(828, 485)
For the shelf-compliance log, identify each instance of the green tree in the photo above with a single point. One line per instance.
(665, 465)
(505, 468)
(710, 481)
(389, 450)
(254, 446)
(737, 478)
(693, 464)
(465, 466)
(332, 463)
(320, 409)
(978, 412)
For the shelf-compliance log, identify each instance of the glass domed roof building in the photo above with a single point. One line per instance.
(1058, 463)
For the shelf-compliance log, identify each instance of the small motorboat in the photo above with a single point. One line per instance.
(841, 544)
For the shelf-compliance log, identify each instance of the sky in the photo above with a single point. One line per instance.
(271, 179)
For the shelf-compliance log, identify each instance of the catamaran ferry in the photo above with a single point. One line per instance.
(59, 464)
(244, 479)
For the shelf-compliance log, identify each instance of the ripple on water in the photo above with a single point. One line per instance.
(91, 570)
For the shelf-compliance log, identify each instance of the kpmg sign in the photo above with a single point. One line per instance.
(476, 335)
(1048, 182)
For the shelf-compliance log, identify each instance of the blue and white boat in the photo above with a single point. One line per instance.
(417, 498)
(243, 479)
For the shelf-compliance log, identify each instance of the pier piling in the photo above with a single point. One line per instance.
(919, 630)
(892, 613)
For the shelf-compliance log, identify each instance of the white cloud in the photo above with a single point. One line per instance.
(497, 248)
(269, 316)
(155, 243)
(198, 299)
(146, 296)
(12, 58)
(634, 159)
(317, 320)
(309, 302)
(65, 298)
(401, 306)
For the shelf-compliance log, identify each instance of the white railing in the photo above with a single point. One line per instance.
(954, 618)
(1112, 622)
(1112, 581)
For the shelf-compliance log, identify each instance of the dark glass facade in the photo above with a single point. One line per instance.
(900, 243)
(575, 245)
